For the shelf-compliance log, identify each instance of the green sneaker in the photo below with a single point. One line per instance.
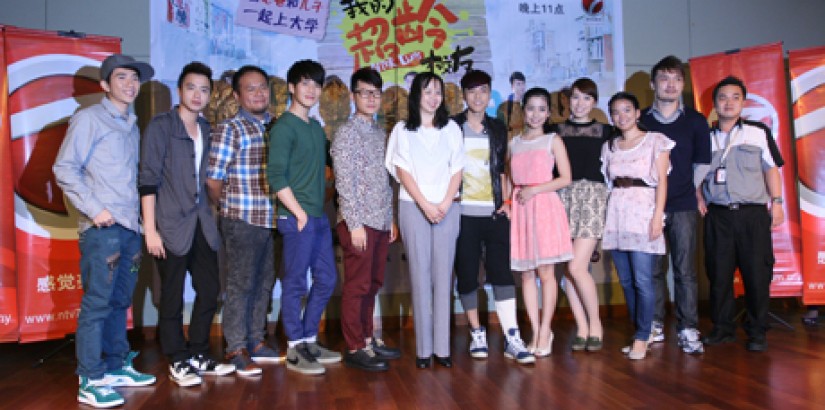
(97, 393)
(127, 376)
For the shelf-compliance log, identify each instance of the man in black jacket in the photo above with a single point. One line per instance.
(485, 222)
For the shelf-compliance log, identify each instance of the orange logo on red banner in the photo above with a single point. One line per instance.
(49, 78)
(807, 69)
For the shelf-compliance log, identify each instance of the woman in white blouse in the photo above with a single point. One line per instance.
(425, 154)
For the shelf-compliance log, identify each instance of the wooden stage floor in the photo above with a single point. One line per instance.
(790, 375)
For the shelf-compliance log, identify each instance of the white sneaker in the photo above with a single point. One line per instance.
(690, 341)
(184, 374)
(657, 332)
(478, 344)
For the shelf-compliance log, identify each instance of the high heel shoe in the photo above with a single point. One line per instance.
(544, 351)
(444, 361)
(636, 354)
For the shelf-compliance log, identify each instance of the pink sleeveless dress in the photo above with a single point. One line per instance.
(539, 231)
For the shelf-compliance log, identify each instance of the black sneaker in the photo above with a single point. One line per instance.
(365, 359)
(182, 373)
(383, 351)
(718, 338)
(206, 365)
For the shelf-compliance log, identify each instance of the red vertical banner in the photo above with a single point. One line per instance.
(807, 69)
(50, 76)
(762, 69)
(8, 270)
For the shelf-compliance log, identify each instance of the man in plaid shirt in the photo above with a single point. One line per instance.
(237, 182)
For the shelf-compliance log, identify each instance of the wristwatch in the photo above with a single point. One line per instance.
(777, 200)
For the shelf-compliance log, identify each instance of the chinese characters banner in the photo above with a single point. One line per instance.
(763, 70)
(8, 274)
(807, 69)
(50, 76)
(305, 18)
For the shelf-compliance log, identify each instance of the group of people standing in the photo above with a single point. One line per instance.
(467, 195)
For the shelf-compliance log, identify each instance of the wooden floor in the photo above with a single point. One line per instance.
(790, 375)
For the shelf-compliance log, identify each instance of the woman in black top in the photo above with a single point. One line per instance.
(585, 201)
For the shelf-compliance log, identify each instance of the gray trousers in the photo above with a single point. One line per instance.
(249, 282)
(430, 254)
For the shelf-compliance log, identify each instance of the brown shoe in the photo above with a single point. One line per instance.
(243, 363)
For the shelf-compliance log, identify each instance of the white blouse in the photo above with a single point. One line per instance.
(430, 155)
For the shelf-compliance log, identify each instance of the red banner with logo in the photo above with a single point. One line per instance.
(807, 69)
(8, 270)
(762, 69)
(50, 76)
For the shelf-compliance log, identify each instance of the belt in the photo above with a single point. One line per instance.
(625, 182)
(736, 206)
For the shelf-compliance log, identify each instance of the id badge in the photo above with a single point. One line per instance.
(720, 177)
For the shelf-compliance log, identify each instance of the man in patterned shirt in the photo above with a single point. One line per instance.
(237, 182)
(365, 227)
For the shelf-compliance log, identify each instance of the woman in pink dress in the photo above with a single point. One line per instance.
(539, 233)
(635, 164)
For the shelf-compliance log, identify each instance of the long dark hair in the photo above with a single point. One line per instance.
(537, 92)
(422, 81)
(619, 96)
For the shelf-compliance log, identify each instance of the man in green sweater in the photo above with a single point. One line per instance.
(295, 171)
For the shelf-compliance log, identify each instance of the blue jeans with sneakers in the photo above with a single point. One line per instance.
(635, 270)
(307, 249)
(109, 261)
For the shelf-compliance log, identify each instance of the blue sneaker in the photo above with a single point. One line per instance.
(478, 344)
(97, 393)
(514, 348)
(265, 354)
(127, 376)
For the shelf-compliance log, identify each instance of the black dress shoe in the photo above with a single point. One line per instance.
(756, 344)
(383, 351)
(718, 338)
(444, 361)
(361, 359)
(422, 362)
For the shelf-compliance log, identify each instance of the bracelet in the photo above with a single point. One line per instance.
(508, 202)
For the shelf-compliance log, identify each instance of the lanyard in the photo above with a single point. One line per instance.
(729, 145)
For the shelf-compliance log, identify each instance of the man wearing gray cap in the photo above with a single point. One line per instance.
(97, 170)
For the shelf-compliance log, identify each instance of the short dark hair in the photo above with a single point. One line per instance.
(366, 75)
(730, 80)
(236, 78)
(586, 86)
(305, 69)
(422, 81)
(669, 63)
(195, 67)
(475, 78)
(517, 75)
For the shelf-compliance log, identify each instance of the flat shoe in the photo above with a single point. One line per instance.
(594, 344)
(444, 361)
(579, 344)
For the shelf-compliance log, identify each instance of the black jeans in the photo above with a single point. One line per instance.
(202, 263)
(739, 238)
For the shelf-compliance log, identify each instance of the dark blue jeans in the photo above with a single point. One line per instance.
(680, 234)
(308, 249)
(635, 271)
(109, 261)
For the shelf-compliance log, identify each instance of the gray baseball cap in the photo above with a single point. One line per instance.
(145, 71)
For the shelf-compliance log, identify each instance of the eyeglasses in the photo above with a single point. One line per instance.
(365, 94)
